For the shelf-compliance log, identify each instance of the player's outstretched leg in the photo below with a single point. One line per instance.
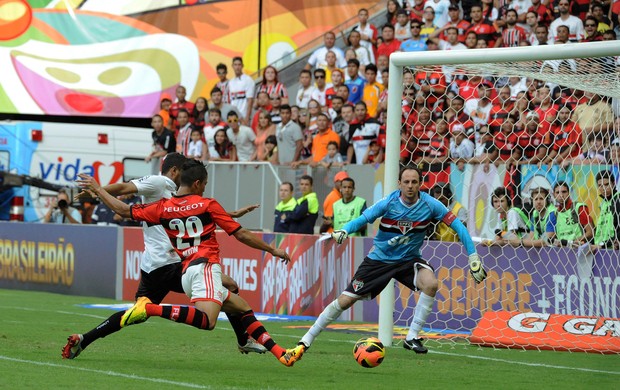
(327, 316)
(76, 343)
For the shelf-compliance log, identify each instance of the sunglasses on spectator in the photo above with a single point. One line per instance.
(318, 76)
(233, 120)
(275, 98)
(415, 26)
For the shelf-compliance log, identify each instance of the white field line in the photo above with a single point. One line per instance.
(108, 373)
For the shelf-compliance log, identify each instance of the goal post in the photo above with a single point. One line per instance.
(582, 71)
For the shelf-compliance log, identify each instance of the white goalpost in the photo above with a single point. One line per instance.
(573, 73)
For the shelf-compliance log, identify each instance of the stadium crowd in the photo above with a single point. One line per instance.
(338, 114)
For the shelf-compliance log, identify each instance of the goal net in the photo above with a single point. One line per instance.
(511, 125)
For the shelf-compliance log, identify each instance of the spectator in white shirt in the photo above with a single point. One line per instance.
(317, 59)
(306, 90)
(575, 25)
(241, 136)
(241, 91)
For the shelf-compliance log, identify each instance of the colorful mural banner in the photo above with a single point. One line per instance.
(546, 280)
(103, 58)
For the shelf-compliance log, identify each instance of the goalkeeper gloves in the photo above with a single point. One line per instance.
(475, 268)
(339, 236)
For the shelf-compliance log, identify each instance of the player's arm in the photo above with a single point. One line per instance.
(250, 239)
(118, 206)
(368, 216)
(113, 189)
(243, 211)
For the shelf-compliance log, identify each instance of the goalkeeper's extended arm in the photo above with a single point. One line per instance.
(352, 226)
(475, 264)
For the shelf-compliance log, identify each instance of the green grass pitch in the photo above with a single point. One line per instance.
(162, 354)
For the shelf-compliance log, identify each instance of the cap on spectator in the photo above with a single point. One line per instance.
(532, 114)
(453, 7)
(340, 176)
(458, 128)
(339, 71)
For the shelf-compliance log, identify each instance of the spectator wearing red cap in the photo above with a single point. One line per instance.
(328, 204)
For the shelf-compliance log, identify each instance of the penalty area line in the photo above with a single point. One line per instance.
(108, 373)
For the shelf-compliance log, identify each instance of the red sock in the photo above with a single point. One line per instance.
(185, 314)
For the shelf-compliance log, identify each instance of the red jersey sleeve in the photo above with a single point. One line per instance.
(147, 212)
(222, 219)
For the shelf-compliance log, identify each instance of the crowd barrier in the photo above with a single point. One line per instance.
(67, 259)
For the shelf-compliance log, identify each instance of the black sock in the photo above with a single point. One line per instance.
(235, 322)
(107, 327)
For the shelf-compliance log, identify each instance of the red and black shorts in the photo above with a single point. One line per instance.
(372, 276)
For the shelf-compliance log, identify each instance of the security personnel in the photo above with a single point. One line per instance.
(513, 221)
(570, 224)
(349, 207)
(541, 212)
(284, 208)
(305, 214)
(607, 234)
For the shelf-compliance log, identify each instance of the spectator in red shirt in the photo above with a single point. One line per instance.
(176, 106)
(546, 110)
(501, 110)
(544, 13)
(564, 138)
(530, 141)
(483, 28)
(390, 44)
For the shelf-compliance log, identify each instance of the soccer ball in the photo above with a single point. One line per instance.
(369, 352)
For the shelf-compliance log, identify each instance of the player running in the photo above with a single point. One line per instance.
(190, 222)
(405, 215)
(160, 267)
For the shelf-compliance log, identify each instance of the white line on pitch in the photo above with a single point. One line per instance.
(112, 373)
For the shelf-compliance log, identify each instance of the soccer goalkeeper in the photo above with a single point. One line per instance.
(405, 215)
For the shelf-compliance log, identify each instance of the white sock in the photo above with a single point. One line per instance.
(422, 310)
(329, 315)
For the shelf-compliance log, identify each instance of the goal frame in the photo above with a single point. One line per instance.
(400, 60)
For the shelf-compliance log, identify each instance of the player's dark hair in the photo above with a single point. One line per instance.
(606, 175)
(371, 67)
(172, 160)
(308, 178)
(231, 114)
(286, 107)
(183, 110)
(192, 171)
(216, 90)
(237, 59)
(221, 66)
(407, 168)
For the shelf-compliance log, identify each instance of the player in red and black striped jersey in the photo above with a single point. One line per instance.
(190, 222)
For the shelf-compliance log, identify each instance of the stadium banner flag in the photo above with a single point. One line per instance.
(64, 259)
(548, 331)
(545, 280)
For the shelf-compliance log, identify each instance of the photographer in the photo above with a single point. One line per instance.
(61, 211)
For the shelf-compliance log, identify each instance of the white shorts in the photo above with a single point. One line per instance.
(203, 282)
